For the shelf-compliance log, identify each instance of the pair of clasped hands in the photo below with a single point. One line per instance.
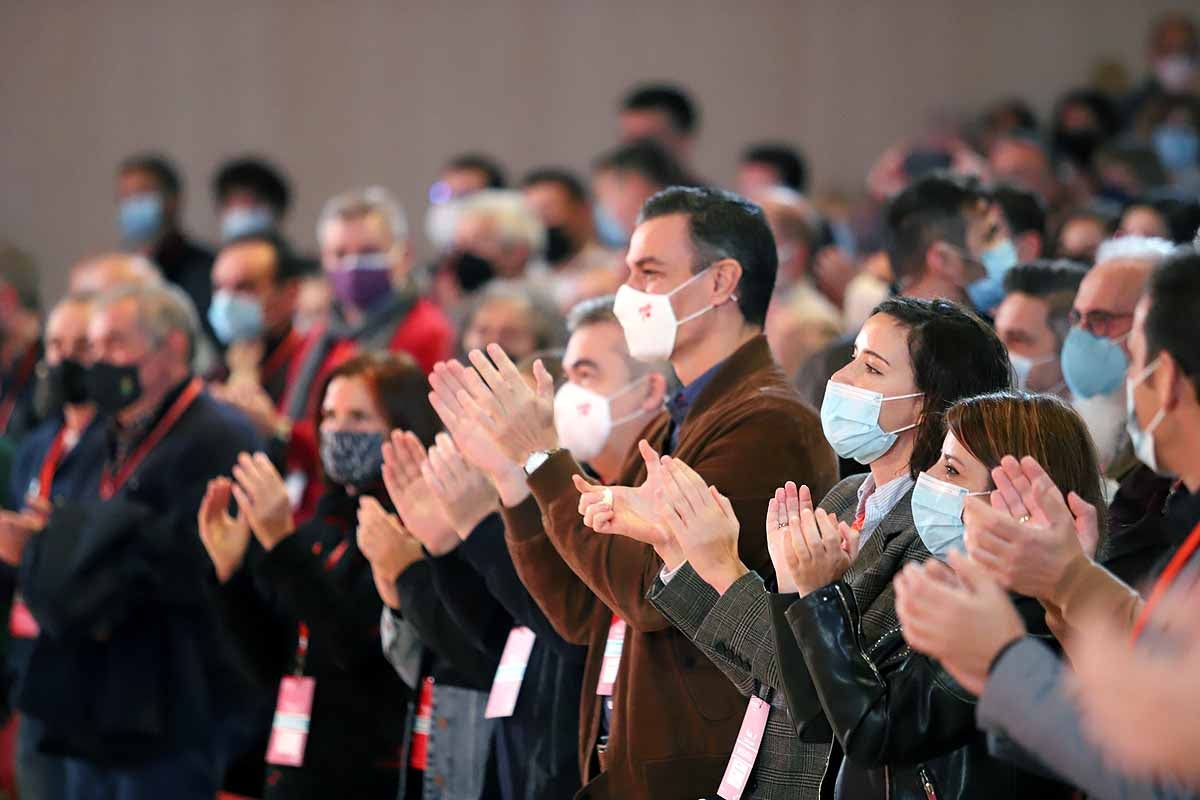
(685, 519)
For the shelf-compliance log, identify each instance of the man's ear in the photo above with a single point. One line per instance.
(728, 274)
(656, 392)
(944, 260)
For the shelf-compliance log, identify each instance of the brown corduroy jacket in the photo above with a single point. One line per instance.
(675, 716)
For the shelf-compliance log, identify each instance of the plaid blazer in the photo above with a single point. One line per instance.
(737, 631)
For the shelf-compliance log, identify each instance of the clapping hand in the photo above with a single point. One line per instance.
(263, 498)
(702, 522)
(630, 511)
(1030, 535)
(463, 493)
(225, 537)
(960, 617)
(403, 459)
(387, 546)
(817, 548)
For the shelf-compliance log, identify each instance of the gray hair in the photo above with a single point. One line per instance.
(1135, 248)
(549, 330)
(514, 219)
(161, 309)
(357, 203)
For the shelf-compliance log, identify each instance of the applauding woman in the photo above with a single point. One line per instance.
(302, 601)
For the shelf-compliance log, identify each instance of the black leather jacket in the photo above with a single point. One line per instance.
(905, 727)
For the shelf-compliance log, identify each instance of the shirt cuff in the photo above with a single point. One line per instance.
(666, 574)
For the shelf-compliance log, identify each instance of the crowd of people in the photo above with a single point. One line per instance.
(636, 487)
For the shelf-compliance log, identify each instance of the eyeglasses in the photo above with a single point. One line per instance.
(1098, 322)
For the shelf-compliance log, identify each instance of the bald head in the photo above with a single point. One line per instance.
(98, 274)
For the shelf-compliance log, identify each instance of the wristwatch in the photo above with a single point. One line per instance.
(537, 458)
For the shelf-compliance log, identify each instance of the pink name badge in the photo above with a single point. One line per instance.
(745, 750)
(21, 623)
(289, 732)
(509, 675)
(612, 657)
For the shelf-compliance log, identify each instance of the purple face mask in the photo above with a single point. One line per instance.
(362, 280)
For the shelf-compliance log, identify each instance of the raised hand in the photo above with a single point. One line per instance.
(463, 492)
(961, 618)
(1030, 536)
(225, 537)
(702, 523)
(262, 497)
(496, 396)
(387, 546)
(818, 542)
(779, 537)
(403, 458)
(623, 510)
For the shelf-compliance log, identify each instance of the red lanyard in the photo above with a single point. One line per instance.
(109, 483)
(45, 479)
(279, 357)
(1168, 576)
(9, 403)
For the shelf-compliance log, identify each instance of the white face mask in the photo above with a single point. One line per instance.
(1143, 438)
(648, 320)
(1023, 365)
(583, 418)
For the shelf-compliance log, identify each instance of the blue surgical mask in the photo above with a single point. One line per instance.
(246, 220)
(1178, 147)
(937, 509)
(850, 420)
(235, 317)
(987, 292)
(608, 230)
(140, 217)
(1093, 365)
(1143, 438)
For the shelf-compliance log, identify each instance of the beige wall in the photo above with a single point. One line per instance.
(343, 93)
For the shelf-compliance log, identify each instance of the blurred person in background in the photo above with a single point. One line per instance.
(662, 112)
(1082, 232)
(97, 274)
(512, 317)
(800, 320)
(1022, 161)
(624, 178)
(1173, 52)
(1176, 138)
(581, 266)
(301, 600)
(769, 164)
(497, 236)
(20, 340)
(1033, 320)
(463, 175)
(149, 193)
(59, 461)
(134, 681)
(1009, 117)
(1172, 218)
(1025, 213)
(251, 196)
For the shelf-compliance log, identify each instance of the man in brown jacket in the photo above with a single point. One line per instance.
(702, 268)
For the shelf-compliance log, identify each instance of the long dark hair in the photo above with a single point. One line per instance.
(954, 354)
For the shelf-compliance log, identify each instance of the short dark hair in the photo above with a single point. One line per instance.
(159, 166)
(724, 225)
(493, 173)
(784, 159)
(1181, 213)
(567, 180)
(670, 99)
(592, 311)
(287, 265)
(1056, 282)
(259, 177)
(1023, 209)
(1172, 323)
(1100, 214)
(644, 157)
(955, 354)
(930, 209)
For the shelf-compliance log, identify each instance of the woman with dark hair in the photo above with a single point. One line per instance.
(911, 361)
(905, 727)
(301, 601)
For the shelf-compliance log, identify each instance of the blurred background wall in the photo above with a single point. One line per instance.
(351, 92)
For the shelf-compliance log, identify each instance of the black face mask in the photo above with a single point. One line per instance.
(112, 387)
(472, 271)
(559, 246)
(68, 381)
(1078, 145)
